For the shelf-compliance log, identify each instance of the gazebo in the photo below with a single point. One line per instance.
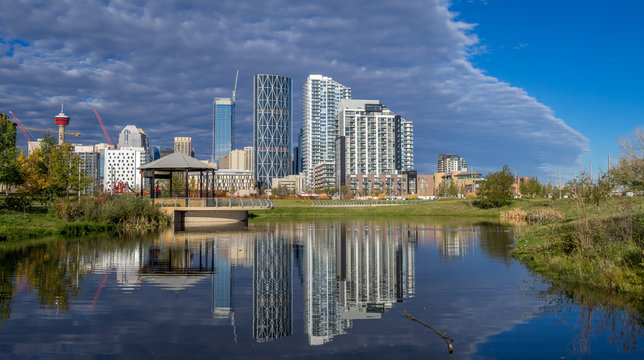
(177, 162)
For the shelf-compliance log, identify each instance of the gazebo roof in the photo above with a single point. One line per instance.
(177, 161)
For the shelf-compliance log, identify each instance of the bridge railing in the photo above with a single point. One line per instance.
(258, 203)
(347, 203)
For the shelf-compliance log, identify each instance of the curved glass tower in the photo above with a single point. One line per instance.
(271, 127)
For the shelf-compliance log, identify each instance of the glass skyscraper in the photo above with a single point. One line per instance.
(223, 127)
(271, 127)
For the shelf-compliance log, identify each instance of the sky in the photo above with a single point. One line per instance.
(538, 86)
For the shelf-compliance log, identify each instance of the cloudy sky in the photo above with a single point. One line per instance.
(497, 82)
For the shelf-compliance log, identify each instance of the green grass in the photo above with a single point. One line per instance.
(612, 258)
(304, 209)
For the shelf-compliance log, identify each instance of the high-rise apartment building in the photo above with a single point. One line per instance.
(376, 141)
(321, 98)
(223, 127)
(404, 144)
(184, 145)
(448, 163)
(271, 127)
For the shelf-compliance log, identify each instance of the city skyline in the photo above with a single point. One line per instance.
(473, 82)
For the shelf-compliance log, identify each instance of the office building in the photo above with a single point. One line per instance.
(184, 145)
(90, 166)
(223, 127)
(448, 163)
(131, 136)
(237, 160)
(294, 183)
(376, 141)
(250, 158)
(235, 181)
(321, 98)
(271, 127)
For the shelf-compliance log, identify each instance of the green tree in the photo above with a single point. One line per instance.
(586, 190)
(496, 190)
(345, 192)
(53, 170)
(531, 188)
(453, 189)
(10, 169)
(629, 171)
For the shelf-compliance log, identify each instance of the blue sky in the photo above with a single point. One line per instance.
(583, 61)
(537, 86)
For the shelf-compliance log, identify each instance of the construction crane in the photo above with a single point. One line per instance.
(235, 88)
(20, 126)
(51, 131)
(103, 127)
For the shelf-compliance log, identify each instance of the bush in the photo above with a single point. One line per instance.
(127, 211)
(16, 202)
(533, 216)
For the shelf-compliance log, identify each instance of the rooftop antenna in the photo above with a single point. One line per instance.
(235, 88)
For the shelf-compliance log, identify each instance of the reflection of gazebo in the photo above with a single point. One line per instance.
(181, 163)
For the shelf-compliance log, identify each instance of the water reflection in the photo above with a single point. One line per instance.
(313, 283)
(352, 272)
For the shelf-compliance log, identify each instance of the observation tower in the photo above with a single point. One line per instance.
(61, 120)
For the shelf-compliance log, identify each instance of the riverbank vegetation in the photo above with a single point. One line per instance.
(42, 195)
(601, 241)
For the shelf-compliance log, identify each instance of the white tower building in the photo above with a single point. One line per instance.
(320, 107)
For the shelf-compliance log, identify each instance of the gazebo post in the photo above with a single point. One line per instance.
(171, 183)
(201, 183)
(152, 190)
(186, 171)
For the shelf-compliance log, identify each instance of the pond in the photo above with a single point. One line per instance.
(355, 289)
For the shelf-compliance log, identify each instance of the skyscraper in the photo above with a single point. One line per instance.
(271, 127)
(223, 127)
(321, 97)
(184, 145)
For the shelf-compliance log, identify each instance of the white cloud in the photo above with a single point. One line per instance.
(159, 64)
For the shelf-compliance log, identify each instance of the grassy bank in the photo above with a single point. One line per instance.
(19, 226)
(93, 214)
(603, 251)
(304, 209)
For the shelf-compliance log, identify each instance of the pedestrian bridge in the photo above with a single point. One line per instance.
(189, 212)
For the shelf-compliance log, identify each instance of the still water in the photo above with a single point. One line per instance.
(344, 289)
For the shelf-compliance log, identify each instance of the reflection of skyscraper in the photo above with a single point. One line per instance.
(454, 244)
(322, 320)
(222, 291)
(354, 272)
(272, 285)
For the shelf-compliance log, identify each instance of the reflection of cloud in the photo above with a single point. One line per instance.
(185, 53)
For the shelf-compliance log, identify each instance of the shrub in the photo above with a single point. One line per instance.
(533, 216)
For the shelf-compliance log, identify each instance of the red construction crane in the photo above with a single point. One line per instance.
(103, 127)
(20, 126)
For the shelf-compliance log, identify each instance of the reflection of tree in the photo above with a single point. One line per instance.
(7, 269)
(616, 317)
(54, 272)
(496, 240)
